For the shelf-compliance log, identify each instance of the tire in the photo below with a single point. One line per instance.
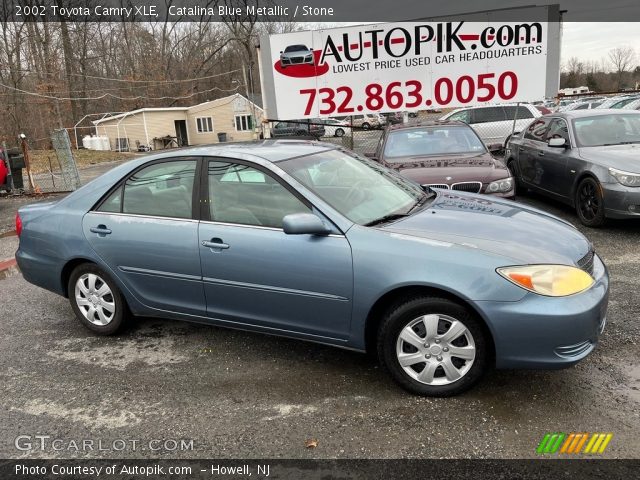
(366, 126)
(428, 377)
(339, 132)
(589, 203)
(101, 320)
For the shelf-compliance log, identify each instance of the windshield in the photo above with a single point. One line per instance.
(360, 189)
(607, 130)
(295, 48)
(441, 140)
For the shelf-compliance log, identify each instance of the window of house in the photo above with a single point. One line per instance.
(204, 124)
(244, 123)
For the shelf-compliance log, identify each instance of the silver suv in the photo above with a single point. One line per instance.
(494, 123)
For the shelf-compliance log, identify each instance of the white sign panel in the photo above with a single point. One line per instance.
(404, 66)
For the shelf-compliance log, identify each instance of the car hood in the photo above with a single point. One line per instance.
(459, 168)
(624, 157)
(524, 234)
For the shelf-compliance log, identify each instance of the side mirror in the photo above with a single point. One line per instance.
(304, 224)
(495, 147)
(557, 143)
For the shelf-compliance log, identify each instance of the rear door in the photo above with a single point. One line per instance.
(146, 232)
(529, 150)
(254, 273)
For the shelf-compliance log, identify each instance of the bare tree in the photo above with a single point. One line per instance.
(622, 59)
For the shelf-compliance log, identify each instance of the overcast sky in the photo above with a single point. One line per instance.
(592, 41)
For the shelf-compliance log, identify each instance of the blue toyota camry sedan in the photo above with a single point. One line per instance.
(306, 240)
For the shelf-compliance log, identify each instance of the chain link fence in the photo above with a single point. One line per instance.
(43, 171)
(361, 133)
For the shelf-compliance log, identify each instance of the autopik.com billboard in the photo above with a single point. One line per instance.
(407, 66)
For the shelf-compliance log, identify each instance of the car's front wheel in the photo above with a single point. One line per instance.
(432, 346)
(96, 300)
(339, 132)
(366, 126)
(590, 203)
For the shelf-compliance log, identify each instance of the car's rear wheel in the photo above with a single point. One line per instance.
(590, 203)
(339, 132)
(366, 126)
(432, 346)
(96, 300)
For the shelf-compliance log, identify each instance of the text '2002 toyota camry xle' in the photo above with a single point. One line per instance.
(306, 240)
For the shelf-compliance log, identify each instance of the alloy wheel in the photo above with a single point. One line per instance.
(589, 200)
(435, 349)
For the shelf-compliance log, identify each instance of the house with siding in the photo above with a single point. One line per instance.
(232, 118)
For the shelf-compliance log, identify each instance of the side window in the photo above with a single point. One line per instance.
(161, 190)
(519, 112)
(244, 195)
(537, 130)
(558, 129)
(463, 116)
(488, 114)
(112, 203)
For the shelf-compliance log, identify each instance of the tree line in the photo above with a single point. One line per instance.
(55, 73)
(618, 71)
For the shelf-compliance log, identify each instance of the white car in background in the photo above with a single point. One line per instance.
(635, 105)
(588, 105)
(494, 123)
(336, 128)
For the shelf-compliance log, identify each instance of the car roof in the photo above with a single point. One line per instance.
(271, 150)
(596, 112)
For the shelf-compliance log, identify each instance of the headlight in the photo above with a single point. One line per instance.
(500, 186)
(550, 280)
(627, 179)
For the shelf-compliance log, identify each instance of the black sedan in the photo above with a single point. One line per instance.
(589, 159)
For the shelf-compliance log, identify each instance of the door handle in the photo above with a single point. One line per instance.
(215, 244)
(520, 149)
(540, 153)
(100, 230)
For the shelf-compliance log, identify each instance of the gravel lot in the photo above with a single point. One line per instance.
(239, 394)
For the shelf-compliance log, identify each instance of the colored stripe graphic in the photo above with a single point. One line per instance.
(573, 443)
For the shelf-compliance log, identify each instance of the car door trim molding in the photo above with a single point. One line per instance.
(160, 273)
(269, 288)
(139, 215)
(259, 227)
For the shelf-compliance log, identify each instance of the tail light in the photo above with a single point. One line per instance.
(18, 224)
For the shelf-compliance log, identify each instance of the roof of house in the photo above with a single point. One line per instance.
(219, 101)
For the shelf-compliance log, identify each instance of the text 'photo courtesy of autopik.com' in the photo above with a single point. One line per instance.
(315, 239)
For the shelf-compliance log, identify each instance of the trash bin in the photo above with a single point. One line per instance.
(16, 162)
(222, 136)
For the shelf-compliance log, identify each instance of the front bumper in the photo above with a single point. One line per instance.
(621, 201)
(549, 332)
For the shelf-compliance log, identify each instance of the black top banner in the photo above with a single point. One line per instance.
(313, 11)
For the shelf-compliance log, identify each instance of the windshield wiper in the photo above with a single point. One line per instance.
(426, 196)
(394, 216)
(386, 218)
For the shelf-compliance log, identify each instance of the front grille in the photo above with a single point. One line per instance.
(437, 185)
(297, 60)
(586, 262)
(471, 187)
